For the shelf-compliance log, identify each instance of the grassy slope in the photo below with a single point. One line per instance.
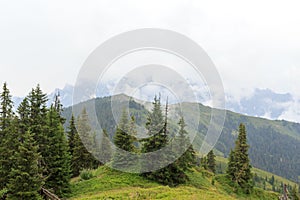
(259, 172)
(110, 184)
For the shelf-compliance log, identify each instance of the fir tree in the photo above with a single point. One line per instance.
(105, 148)
(25, 177)
(82, 158)
(203, 162)
(71, 135)
(57, 158)
(124, 141)
(157, 126)
(188, 158)
(24, 116)
(6, 118)
(239, 168)
(211, 161)
(38, 115)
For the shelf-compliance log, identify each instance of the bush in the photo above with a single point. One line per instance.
(86, 174)
(3, 193)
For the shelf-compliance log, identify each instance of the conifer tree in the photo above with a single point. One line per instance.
(38, 116)
(105, 148)
(239, 168)
(6, 117)
(211, 161)
(203, 162)
(157, 126)
(124, 141)
(25, 177)
(188, 158)
(82, 158)
(231, 168)
(57, 158)
(71, 135)
(24, 116)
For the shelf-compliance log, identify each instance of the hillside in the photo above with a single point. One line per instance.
(111, 184)
(275, 145)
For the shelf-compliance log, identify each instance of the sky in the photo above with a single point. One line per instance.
(253, 44)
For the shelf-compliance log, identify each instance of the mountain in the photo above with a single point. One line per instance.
(266, 103)
(274, 144)
(66, 95)
(262, 103)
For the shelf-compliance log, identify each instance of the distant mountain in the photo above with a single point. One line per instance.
(262, 103)
(274, 145)
(66, 95)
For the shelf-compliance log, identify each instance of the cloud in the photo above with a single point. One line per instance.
(254, 44)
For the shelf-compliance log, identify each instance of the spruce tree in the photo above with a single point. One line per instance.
(211, 161)
(188, 158)
(37, 125)
(231, 168)
(82, 158)
(203, 162)
(239, 168)
(71, 135)
(25, 177)
(6, 118)
(24, 116)
(124, 141)
(57, 158)
(156, 137)
(157, 126)
(105, 148)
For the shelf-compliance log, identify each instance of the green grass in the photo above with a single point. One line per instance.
(259, 172)
(111, 184)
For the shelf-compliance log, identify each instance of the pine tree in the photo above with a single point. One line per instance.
(239, 168)
(6, 118)
(71, 135)
(25, 177)
(124, 141)
(211, 161)
(82, 158)
(57, 158)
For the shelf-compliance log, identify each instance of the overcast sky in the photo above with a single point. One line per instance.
(254, 44)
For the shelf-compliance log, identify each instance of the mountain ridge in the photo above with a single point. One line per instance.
(275, 144)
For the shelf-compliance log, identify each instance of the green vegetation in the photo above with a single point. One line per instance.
(111, 184)
(81, 157)
(211, 161)
(124, 140)
(276, 142)
(36, 155)
(239, 168)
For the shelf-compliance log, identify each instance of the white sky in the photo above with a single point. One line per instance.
(252, 43)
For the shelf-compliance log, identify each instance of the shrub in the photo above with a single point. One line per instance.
(3, 193)
(86, 174)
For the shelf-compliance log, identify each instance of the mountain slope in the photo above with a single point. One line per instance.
(275, 145)
(111, 184)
